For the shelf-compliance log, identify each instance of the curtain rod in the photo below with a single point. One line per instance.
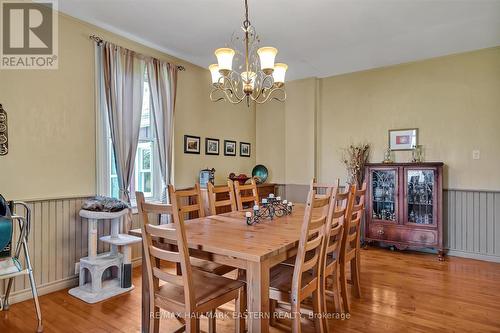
(99, 41)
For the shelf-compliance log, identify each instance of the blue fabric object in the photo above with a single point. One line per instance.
(5, 236)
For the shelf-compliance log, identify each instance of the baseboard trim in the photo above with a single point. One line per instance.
(25, 294)
(51, 287)
(476, 256)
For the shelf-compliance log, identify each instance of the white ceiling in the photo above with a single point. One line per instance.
(314, 37)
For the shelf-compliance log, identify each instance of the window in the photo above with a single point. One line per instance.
(147, 176)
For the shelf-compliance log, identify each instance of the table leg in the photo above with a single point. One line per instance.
(258, 297)
(145, 298)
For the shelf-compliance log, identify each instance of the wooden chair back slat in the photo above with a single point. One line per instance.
(167, 277)
(154, 231)
(212, 197)
(165, 255)
(242, 197)
(310, 263)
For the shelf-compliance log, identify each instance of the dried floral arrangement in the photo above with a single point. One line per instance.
(355, 158)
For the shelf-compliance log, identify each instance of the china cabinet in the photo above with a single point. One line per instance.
(404, 205)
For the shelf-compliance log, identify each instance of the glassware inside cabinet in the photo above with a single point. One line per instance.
(384, 194)
(420, 196)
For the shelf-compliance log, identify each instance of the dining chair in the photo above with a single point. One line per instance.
(191, 294)
(189, 201)
(350, 251)
(293, 284)
(227, 191)
(331, 250)
(242, 194)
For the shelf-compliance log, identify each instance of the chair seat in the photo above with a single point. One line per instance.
(280, 278)
(210, 266)
(207, 287)
(9, 267)
(282, 275)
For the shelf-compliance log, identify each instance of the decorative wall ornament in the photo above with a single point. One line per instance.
(245, 149)
(4, 137)
(403, 139)
(229, 148)
(191, 144)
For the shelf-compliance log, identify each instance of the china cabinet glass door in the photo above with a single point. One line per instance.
(384, 185)
(420, 196)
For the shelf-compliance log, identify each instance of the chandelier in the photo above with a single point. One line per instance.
(256, 78)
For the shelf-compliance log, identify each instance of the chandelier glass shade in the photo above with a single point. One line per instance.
(250, 74)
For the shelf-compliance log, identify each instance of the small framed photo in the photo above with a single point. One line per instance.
(191, 144)
(244, 149)
(211, 146)
(229, 148)
(403, 139)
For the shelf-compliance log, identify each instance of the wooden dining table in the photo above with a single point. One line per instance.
(227, 239)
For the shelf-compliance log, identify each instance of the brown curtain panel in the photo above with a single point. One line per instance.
(123, 84)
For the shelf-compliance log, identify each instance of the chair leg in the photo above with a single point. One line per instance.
(272, 312)
(343, 288)
(154, 319)
(322, 294)
(212, 328)
(33, 288)
(193, 325)
(6, 304)
(337, 298)
(241, 307)
(296, 328)
(317, 311)
(355, 265)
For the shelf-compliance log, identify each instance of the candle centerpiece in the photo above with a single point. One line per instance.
(270, 207)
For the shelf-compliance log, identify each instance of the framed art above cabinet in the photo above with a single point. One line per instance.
(404, 205)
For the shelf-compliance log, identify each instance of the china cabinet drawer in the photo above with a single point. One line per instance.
(425, 237)
(384, 232)
(402, 235)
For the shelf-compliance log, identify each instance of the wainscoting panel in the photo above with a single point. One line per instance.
(58, 239)
(472, 223)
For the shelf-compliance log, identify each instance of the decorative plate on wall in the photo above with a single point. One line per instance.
(260, 172)
(4, 138)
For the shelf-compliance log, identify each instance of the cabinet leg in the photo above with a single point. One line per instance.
(441, 254)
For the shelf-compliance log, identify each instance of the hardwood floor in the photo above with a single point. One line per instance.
(402, 292)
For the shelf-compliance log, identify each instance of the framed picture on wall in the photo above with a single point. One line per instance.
(403, 139)
(244, 149)
(191, 144)
(229, 148)
(211, 146)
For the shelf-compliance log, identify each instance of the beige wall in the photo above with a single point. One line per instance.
(270, 139)
(454, 101)
(52, 121)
